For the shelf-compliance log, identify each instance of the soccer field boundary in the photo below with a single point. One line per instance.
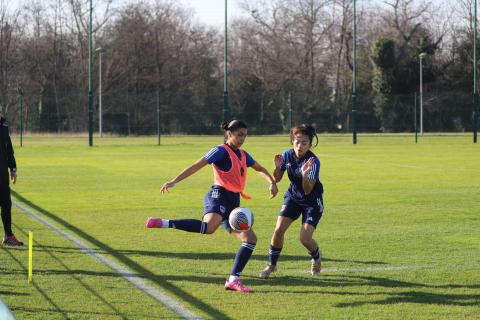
(5, 313)
(124, 272)
(354, 270)
(363, 269)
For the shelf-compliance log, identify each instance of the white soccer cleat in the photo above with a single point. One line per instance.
(316, 267)
(267, 271)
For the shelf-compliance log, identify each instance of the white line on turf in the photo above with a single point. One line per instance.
(5, 313)
(137, 281)
(361, 269)
(345, 270)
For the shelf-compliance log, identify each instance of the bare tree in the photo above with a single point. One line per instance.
(292, 37)
(9, 38)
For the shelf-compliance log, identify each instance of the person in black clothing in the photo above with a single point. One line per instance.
(7, 162)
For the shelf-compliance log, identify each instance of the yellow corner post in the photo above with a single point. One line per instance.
(30, 255)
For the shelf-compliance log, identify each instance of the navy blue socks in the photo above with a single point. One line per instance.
(189, 225)
(242, 257)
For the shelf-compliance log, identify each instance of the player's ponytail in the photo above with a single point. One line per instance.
(305, 129)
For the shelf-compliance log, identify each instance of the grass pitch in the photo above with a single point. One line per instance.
(400, 234)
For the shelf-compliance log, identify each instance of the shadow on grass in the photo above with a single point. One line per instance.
(56, 309)
(231, 256)
(420, 297)
(92, 291)
(203, 256)
(134, 266)
(390, 283)
(88, 314)
(275, 284)
(9, 293)
(416, 291)
(412, 296)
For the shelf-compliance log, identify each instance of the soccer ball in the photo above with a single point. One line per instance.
(241, 219)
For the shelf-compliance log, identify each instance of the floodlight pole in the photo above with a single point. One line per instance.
(100, 52)
(20, 94)
(354, 73)
(415, 115)
(421, 56)
(226, 109)
(158, 117)
(475, 88)
(90, 93)
(290, 110)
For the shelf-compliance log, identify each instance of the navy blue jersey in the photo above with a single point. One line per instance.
(293, 166)
(219, 156)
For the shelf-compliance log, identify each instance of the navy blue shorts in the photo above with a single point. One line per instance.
(221, 201)
(310, 214)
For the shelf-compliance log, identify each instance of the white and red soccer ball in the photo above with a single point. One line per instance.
(241, 219)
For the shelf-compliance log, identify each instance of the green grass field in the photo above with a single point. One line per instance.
(400, 235)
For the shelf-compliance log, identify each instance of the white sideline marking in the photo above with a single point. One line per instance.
(140, 283)
(345, 270)
(361, 269)
(5, 313)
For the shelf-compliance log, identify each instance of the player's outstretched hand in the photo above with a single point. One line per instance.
(166, 186)
(307, 166)
(277, 160)
(273, 190)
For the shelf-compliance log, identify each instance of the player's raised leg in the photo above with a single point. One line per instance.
(210, 223)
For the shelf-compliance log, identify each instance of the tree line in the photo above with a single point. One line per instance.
(289, 61)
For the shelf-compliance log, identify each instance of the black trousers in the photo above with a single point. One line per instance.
(6, 206)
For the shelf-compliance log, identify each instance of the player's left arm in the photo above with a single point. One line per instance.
(11, 159)
(309, 175)
(265, 174)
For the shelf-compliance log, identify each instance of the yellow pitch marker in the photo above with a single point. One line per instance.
(30, 256)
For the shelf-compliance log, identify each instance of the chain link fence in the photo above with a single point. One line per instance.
(126, 114)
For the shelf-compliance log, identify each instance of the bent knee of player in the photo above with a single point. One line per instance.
(280, 231)
(278, 235)
(211, 228)
(306, 238)
(249, 236)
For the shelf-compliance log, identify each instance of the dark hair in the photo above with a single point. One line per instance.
(233, 125)
(306, 129)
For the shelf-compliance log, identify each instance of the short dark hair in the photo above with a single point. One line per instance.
(233, 125)
(306, 129)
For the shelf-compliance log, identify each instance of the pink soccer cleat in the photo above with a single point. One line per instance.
(237, 285)
(154, 223)
(11, 241)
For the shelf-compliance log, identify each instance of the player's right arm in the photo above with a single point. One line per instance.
(187, 172)
(278, 172)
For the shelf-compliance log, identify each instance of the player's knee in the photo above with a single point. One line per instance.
(210, 228)
(305, 239)
(251, 238)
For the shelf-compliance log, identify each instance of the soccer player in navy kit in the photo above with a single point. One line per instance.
(303, 197)
(229, 164)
